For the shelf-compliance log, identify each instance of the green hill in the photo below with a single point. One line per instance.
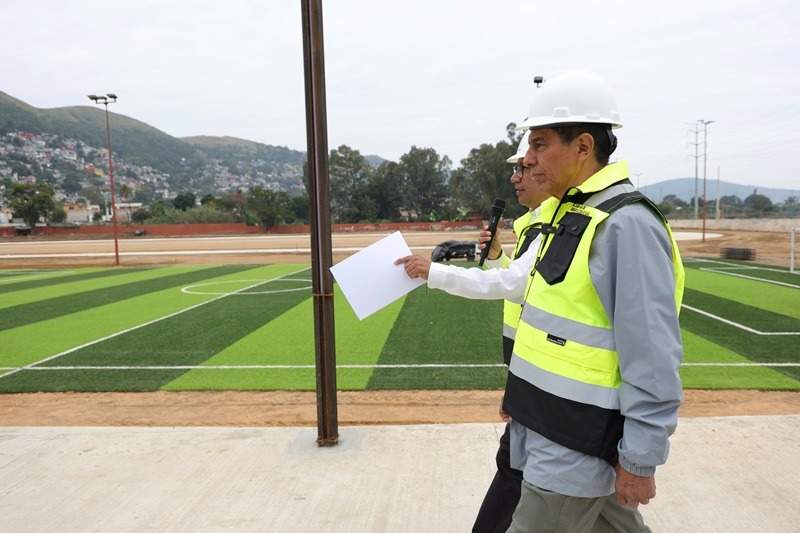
(242, 149)
(132, 139)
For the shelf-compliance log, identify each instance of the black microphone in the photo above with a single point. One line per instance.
(494, 218)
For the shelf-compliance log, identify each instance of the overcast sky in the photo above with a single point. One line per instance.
(449, 74)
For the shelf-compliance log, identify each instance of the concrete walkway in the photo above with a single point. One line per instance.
(725, 474)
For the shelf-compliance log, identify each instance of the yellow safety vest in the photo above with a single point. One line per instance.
(564, 373)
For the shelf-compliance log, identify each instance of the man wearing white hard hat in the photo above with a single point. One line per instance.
(593, 388)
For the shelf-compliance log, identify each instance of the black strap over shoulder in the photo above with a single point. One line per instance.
(583, 197)
(629, 198)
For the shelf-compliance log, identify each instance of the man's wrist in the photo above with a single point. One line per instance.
(637, 470)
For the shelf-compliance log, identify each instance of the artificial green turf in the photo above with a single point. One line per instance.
(289, 340)
(752, 270)
(86, 380)
(438, 378)
(435, 327)
(696, 349)
(66, 278)
(189, 338)
(757, 294)
(766, 274)
(31, 343)
(266, 379)
(756, 348)
(746, 315)
(21, 315)
(727, 377)
(67, 288)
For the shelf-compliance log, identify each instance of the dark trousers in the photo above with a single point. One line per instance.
(502, 497)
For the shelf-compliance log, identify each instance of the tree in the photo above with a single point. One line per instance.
(58, 215)
(32, 202)
(208, 199)
(385, 191)
(731, 200)
(758, 203)
(269, 207)
(483, 176)
(184, 201)
(140, 215)
(71, 185)
(424, 176)
(125, 192)
(299, 207)
(349, 175)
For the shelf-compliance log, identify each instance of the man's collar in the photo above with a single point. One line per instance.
(603, 178)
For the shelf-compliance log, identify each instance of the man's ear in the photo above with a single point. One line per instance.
(584, 144)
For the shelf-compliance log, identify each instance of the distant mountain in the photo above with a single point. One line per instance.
(683, 188)
(375, 160)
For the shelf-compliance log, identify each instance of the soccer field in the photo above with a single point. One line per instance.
(246, 327)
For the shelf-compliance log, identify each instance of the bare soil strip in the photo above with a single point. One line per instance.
(280, 408)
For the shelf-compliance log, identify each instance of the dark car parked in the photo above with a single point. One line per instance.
(452, 249)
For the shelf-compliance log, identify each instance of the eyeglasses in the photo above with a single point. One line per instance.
(520, 169)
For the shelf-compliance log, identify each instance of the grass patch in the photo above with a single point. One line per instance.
(435, 327)
(746, 315)
(20, 315)
(47, 281)
(31, 343)
(757, 294)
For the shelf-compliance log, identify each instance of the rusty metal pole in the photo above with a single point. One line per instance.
(318, 193)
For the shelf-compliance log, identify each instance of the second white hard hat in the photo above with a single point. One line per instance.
(570, 98)
(521, 149)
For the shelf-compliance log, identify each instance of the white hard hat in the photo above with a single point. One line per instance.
(521, 149)
(572, 97)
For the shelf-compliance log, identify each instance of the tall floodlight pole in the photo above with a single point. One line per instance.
(321, 253)
(705, 124)
(105, 100)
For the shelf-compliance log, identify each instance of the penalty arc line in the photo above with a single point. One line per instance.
(148, 323)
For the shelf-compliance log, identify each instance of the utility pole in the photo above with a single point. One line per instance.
(705, 124)
(320, 218)
(110, 98)
(717, 213)
(638, 180)
(696, 156)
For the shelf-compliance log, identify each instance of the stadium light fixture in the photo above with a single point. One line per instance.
(105, 100)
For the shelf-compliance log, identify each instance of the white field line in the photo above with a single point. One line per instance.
(772, 281)
(736, 324)
(148, 323)
(374, 367)
(743, 267)
(190, 252)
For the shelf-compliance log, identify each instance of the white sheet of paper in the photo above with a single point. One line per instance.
(370, 280)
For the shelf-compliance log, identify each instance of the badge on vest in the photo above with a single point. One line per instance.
(556, 340)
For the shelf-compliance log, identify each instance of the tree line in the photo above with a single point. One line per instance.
(731, 206)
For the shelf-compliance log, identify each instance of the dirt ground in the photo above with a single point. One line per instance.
(771, 248)
(299, 408)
